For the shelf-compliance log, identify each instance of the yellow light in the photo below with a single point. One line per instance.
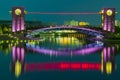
(102, 24)
(17, 69)
(67, 41)
(102, 11)
(102, 18)
(83, 23)
(102, 61)
(18, 12)
(109, 12)
(108, 67)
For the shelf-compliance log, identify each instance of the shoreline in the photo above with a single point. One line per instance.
(111, 40)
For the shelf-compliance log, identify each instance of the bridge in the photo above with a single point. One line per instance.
(78, 29)
(108, 19)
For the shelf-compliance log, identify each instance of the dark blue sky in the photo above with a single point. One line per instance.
(59, 6)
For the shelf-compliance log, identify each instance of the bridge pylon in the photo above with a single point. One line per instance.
(18, 58)
(18, 19)
(108, 60)
(108, 19)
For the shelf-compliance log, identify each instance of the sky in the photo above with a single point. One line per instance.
(59, 6)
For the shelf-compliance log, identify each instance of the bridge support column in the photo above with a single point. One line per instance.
(108, 19)
(17, 19)
(18, 57)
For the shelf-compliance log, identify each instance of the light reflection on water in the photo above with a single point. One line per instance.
(61, 46)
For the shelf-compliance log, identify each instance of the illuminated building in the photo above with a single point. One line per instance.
(83, 23)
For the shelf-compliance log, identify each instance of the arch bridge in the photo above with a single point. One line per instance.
(88, 31)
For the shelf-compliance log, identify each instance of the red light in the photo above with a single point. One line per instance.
(63, 66)
(85, 66)
(92, 66)
(98, 66)
(32, 67)
(75, 66)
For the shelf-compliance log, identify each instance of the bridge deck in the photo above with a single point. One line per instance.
(79, 29)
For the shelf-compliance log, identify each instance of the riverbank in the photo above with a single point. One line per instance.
(111, 41)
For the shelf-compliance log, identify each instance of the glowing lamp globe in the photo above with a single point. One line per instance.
(109, 12)
(18, 12)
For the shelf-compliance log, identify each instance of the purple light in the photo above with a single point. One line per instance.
(18, 53)
(113, 30)
(59, 27)
(17, 20)
(104, 53)
(18, 24)
(13, 24)
(113, 49)
(105, 25)
(22, 54)
(109, 52)
(87, 50)
(76, 52)
(109, 21)
(22, 23)
(109, 27)
(13, 53)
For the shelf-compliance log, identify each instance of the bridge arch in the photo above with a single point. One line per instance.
(88, 31)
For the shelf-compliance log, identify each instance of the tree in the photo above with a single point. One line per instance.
(5, 29)
(1, 31)
(72, 22)
(66, 23)
(9, 30)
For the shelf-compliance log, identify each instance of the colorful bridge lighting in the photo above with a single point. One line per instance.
(63, 66)
(106, 65)
(108, 17)
(17, 19)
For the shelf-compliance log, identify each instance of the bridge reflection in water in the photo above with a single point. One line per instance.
(19, 65)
